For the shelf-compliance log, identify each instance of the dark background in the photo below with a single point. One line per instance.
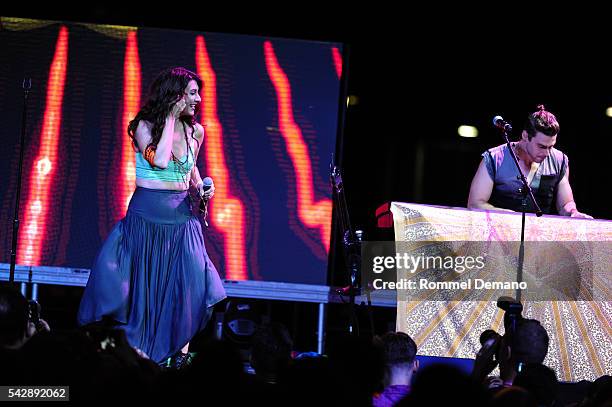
(418, 75)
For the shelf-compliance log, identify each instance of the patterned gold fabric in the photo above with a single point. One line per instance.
(580, 331)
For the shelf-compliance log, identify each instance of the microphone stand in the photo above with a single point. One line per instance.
(352, 252)
(526, 192)
(27, 86)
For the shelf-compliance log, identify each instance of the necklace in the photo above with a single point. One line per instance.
(178, 161)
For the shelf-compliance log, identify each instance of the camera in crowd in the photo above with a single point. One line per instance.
(107, 338)
(512, 318)
(34, 312)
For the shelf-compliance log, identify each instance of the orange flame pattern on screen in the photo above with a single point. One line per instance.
(227, 211)
(337, 57)
(131, 104)
(312, 214)
(32, 234)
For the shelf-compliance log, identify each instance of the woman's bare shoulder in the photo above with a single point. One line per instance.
(144, 125)
(199, 133)
(143, 133)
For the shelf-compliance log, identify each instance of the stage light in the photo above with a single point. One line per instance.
(240, 321)
(609, 112)
(467, 131)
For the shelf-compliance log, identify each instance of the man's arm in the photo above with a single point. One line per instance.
(481, 189)
(565, 199)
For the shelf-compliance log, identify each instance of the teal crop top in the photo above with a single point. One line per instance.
(173, 173)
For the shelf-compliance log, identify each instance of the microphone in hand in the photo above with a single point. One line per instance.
(207, 184)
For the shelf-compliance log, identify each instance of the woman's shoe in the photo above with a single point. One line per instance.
(177, 361)
(181, 360)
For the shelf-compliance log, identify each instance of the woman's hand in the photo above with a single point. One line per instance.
(178, 108)
(208, 193)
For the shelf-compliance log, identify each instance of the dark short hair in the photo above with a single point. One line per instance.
(271, 347)
(540, 381)
(399, 348)
(13, 315)
(543, 122)
(530, 344)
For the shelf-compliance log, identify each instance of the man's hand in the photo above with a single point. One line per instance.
(493, 382)
(576, 214)
(141, 353)
(484, 362)
(32, 328)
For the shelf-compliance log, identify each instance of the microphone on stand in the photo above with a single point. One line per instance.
(500, 123)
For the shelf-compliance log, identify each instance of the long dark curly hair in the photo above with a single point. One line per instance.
(165, 91)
